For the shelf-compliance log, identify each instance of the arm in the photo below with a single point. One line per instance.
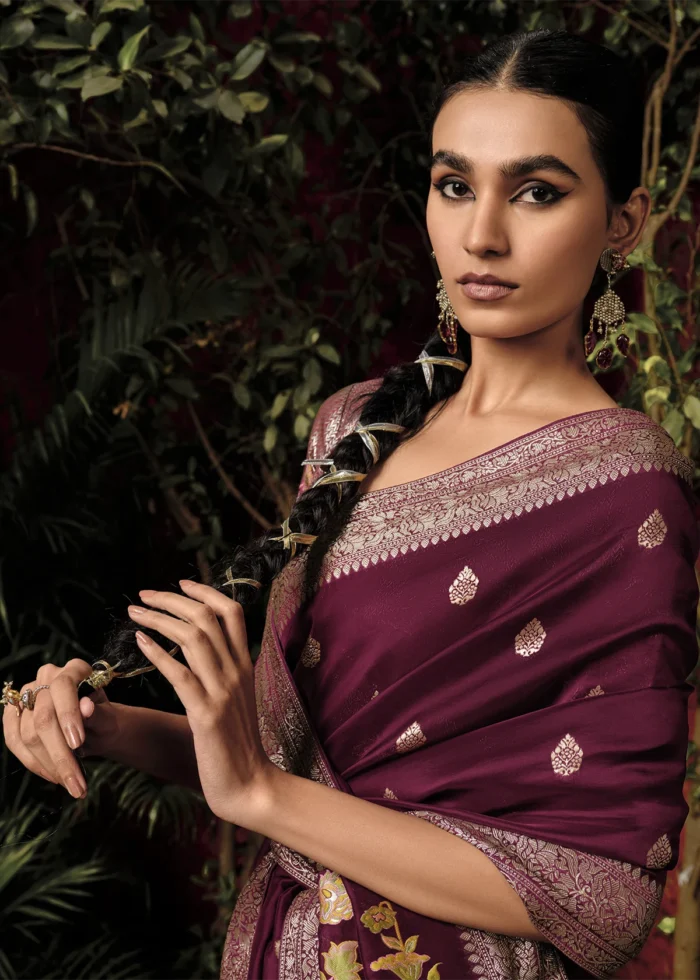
(157, 742)
(403, 858)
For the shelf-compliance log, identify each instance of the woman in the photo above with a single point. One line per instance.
(471, 697)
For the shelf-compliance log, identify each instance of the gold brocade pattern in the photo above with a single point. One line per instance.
(311, 654)
(567, 757)
(493, 956)
(334, 899)
(595, 691)
(598, 911)
(536, 470)
(298, 957)
(241, 928)
(412, 738)
(660, 853)
(464, 587)
(390, 794)
(653, 530)
(530, 638)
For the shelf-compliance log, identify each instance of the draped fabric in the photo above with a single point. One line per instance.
(502, 649)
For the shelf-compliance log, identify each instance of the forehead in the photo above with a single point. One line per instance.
(490, 125)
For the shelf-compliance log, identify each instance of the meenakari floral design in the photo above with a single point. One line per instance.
(405, 962)
(340, 961)
(652, 531)
(335, 901)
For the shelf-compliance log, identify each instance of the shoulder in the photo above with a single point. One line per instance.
(339, 413)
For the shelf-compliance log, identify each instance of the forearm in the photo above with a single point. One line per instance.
(157, 742)
(402, 858)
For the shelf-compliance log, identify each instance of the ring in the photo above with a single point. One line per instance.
(11, 696)
(28, 699)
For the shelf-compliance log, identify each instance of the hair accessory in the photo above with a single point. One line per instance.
(290, 539)
(244, 581)
(339, 476)
(427, 361)
(370, 441)
(608, 313)
(447, 319)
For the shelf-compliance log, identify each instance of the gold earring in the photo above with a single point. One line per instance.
(608, 313)
(447, 318)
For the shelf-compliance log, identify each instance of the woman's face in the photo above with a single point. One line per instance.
(541, 228)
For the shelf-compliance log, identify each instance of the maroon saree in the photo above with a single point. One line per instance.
(503, 649)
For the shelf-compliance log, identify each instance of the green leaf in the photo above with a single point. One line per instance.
(55, 42)
(101, 85)
(658, 364)
(283, 63)
(241, 394)
(323, 84)
(367, 78)
(196, 28)
(31, 207)
(247, 60)
(328, 353)
(109, 5)
(280, 403)
(168, 49)
(654, 396)
(640, 321)
(270, 143)
(65, 65)
(15, 32)
(691, 409)
(182, 386)
(300, 37)
(270, 438)
(99, 34)
(302, 427)
(667, 925)
(240, 8)
(230, 106)
(254, 101)
(129, 50)
(674, 424)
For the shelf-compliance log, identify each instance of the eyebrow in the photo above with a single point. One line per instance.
(509, 169)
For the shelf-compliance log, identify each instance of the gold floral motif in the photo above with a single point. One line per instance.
(340, 961)
(566, 458)
(567, 757)
(334, 898)
(404, 962)
(595, 691)
(411, 738)
(390, 794)
(598, 910)
(530, 638)
(464, 587)
(374, 695)
(311, 654)
(660, 853)
(652, 531)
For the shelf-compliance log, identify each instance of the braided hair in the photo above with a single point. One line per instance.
(606, 96)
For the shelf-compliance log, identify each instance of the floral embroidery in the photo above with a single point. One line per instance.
(595, 691)
(335, 901)
(464, 587)
(652, 532)
(660, 853)
(567, 757)
(311, 654)
(404, 962)
(569, 457)
(530, 638)
(411, 738)
(390, 794)
(340, 961)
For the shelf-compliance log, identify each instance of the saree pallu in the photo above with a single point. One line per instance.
(502, 649)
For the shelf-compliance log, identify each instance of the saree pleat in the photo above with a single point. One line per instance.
(502, 650)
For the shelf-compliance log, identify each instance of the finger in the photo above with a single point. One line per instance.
(203, 659)
(230, 614)
(193, 612)
(184, 682)
(43, 735)
(64, 691)
(14, 743)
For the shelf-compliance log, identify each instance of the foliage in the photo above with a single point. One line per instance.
(226, 197)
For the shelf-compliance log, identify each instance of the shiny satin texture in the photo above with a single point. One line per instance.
(501, 648)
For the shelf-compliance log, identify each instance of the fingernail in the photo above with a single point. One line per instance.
(76, 787)
(185, 583)
(73, 736)
(136, 611)
(142, 638)
(147, 592)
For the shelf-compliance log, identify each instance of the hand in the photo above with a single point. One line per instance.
(44, 738)
(217, 690)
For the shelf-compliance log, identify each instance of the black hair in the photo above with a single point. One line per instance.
(605, 93)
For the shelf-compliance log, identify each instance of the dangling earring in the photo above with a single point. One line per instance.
(447, 319)
(608, 313)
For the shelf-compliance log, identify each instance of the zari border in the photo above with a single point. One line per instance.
(494, 956)
(299, 958)
(536, 470)
(238, 945)
(571, 896)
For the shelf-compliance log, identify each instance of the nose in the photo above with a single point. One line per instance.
(485, 231)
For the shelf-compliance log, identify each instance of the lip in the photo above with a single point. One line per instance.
(491, 280)
(486, 291)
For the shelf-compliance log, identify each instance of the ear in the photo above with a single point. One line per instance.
(629, 221)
